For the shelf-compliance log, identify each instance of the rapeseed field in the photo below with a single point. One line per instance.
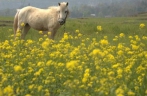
(91, 67)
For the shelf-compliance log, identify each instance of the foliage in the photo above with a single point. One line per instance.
(110, 9)
(82, 8)
(79, 63)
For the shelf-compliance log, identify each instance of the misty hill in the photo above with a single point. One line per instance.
(81, 8)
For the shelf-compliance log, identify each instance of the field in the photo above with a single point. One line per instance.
(89, 57)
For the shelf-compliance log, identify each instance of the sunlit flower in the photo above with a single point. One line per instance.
(135, 47)
(142, 25)
(40, 39)
(77, 31)
(40, 88)
(86, 76)
(99, 28)
(72, 64)
(144, 37)
(17, 68)
(40, 32)
(38, 72)
(8, 90)
(28, 95)
(119, 92)
(45, 35)
(80, 65)
(146, 92)
(130, 37)
(120, 52)
(49, 33)
(121, 35)
(79, 35)
(104, 42)
(96, 51)
(45, 44)
(18, 34)
(31, 86)
(65, 36)
(22, 24)
(130, 93)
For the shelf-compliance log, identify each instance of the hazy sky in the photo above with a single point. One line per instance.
(46, 3)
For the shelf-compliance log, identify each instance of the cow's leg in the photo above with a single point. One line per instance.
(25, 31)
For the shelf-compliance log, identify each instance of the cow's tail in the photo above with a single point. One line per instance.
(15, 24)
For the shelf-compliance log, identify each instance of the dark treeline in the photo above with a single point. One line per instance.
(114, 9)
(83, 8)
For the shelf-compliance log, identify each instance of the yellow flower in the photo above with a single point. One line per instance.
(17, 68)
(130, 93)
(8, 90)
(135, 47)
(87, 70)
(121, 35)
(40, 39)
(99, 28)
(45, 36)
(40, 32)
(18, 34)
(130, 37)
(96, 51)
(119, 92)
(86, 76)
(49, 33)
(1, 92)
(104, 42)
(37, 73)
(31, 86)
(111, 73)
(47, 93)
(116, 65)
(40, 87)
(71, 65)
(77, 31)
(22, 24)
(40, 63)
(79, 35)
(29, 41)
(28, 95)
(146, 92)
(142, 25)
(120, 52)
(45, 44)
(65, 37)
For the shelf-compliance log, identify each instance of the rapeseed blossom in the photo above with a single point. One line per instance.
(71, 65)
(142, 25)
(119, 91)
(130, 93)
(104, 42)
(77, 31)
(99, 28)
(96, 51)
(45, 44)
(28, 95)
(86, 76)
(40, 32)
(8, 90)
(22, 24)
(74, 65)
(121, 35)
(18, 68)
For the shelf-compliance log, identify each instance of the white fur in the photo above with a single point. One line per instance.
(40, 19)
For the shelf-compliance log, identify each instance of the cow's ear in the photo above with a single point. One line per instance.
(67, 4)
(59, 4)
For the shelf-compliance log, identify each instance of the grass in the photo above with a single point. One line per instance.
(87, 26)
(82, 61)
